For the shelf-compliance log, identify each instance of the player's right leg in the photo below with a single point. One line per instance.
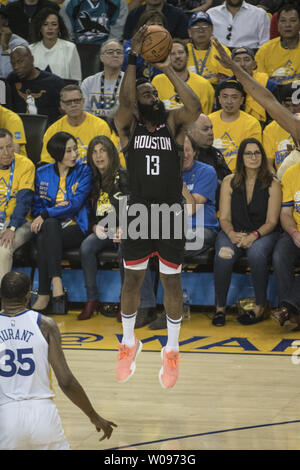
(130, 346)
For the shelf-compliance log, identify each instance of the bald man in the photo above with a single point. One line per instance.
(34, 91)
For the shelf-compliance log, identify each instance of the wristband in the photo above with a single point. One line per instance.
(132, 57)
(256, 234)
(293, 232)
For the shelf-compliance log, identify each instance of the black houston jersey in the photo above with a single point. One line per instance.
(154, 162)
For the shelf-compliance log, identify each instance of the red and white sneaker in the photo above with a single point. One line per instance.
(168, 374)
(126, 360)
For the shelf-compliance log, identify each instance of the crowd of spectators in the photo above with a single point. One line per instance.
(231, 155)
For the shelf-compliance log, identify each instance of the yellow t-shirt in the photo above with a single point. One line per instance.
(253, 107)
(282, 65)
(23, 178)
(84, 133)
(61, 196)
(229, 135)
(11, 121)
(203, 89)
(212, 66)
(275, 141)
(291, 191)
(116, 141)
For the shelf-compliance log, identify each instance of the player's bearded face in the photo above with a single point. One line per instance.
(154, 113)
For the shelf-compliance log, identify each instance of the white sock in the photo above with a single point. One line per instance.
(128, 322)
(173, 334)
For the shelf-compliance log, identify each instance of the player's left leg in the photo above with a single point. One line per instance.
(171, 282)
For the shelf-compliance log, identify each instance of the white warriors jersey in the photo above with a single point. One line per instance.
(24, 365)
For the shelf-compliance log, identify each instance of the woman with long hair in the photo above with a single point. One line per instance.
(51, 48)
(110, 183)
(250, 203)
(60, 210)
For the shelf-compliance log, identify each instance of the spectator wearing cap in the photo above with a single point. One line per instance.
(201, 59)
(280, 57)
(276, 140)
(230, 124)
(237, 22)
(244, 56)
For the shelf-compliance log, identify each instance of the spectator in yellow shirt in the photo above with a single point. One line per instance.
(12, 121)
(280, 57)
(230, 124)
(201, 87)
(244, 56)
(82, 125)
(201, 52)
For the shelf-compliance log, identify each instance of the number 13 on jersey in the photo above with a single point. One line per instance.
(152, 165)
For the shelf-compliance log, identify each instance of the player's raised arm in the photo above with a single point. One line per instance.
(262, 95)
(124, 116)
(66, 380)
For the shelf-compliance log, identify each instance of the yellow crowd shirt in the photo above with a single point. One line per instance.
(228, 135)
(84, 133)
(275, 142)
(291, 191)
(282, 65)
(11, 121)
(253, 107)
(61, 196)
(201, 87)
(206, 63)
(22, 178)
(116, 141)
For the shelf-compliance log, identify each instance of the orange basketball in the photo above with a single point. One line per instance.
(157, 44)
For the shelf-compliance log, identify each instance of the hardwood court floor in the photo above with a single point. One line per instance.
(239, 387)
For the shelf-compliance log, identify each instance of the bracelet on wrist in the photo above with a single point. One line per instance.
(256, 234)
(132, 58)
(293, 232)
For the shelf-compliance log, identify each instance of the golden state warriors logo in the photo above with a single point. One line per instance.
(228, 148)
(79, 340)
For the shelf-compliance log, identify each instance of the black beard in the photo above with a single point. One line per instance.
(234, 5)
(154, 116)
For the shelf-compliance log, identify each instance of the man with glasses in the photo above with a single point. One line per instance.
(101, 91)
(201, 52)
(77, 122)
(237, 23)
(34, 91)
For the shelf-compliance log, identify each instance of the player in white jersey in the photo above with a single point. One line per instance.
(29, 344)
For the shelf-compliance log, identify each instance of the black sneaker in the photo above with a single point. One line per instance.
(160, 323)
(144, 316)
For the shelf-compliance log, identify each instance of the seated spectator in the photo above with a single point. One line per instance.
(60, 211)
(276, 140)
(237, 23)
(230, 123)
(110, 182)
(249, 212)
(50, 47)
(201, 52)
(143, 69)
(21, 13)
(244, 56)
(280, 57)
(277, 4)
(16, 193)
(293, 157)
(176, 18)
(83, 126)
(202, 134)
(8, 41)
(95, 22)
(34, 91)
(201, 87)
(12, 122)
(101, 91)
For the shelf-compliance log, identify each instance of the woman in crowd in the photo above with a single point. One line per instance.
(50, 47)
(250, 203)
(110, 183)
(60, 209)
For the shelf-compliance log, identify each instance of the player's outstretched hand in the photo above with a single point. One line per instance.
(223, 57)
(162, 65)
(102, 424)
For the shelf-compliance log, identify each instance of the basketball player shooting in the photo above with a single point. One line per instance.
(150, 138)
